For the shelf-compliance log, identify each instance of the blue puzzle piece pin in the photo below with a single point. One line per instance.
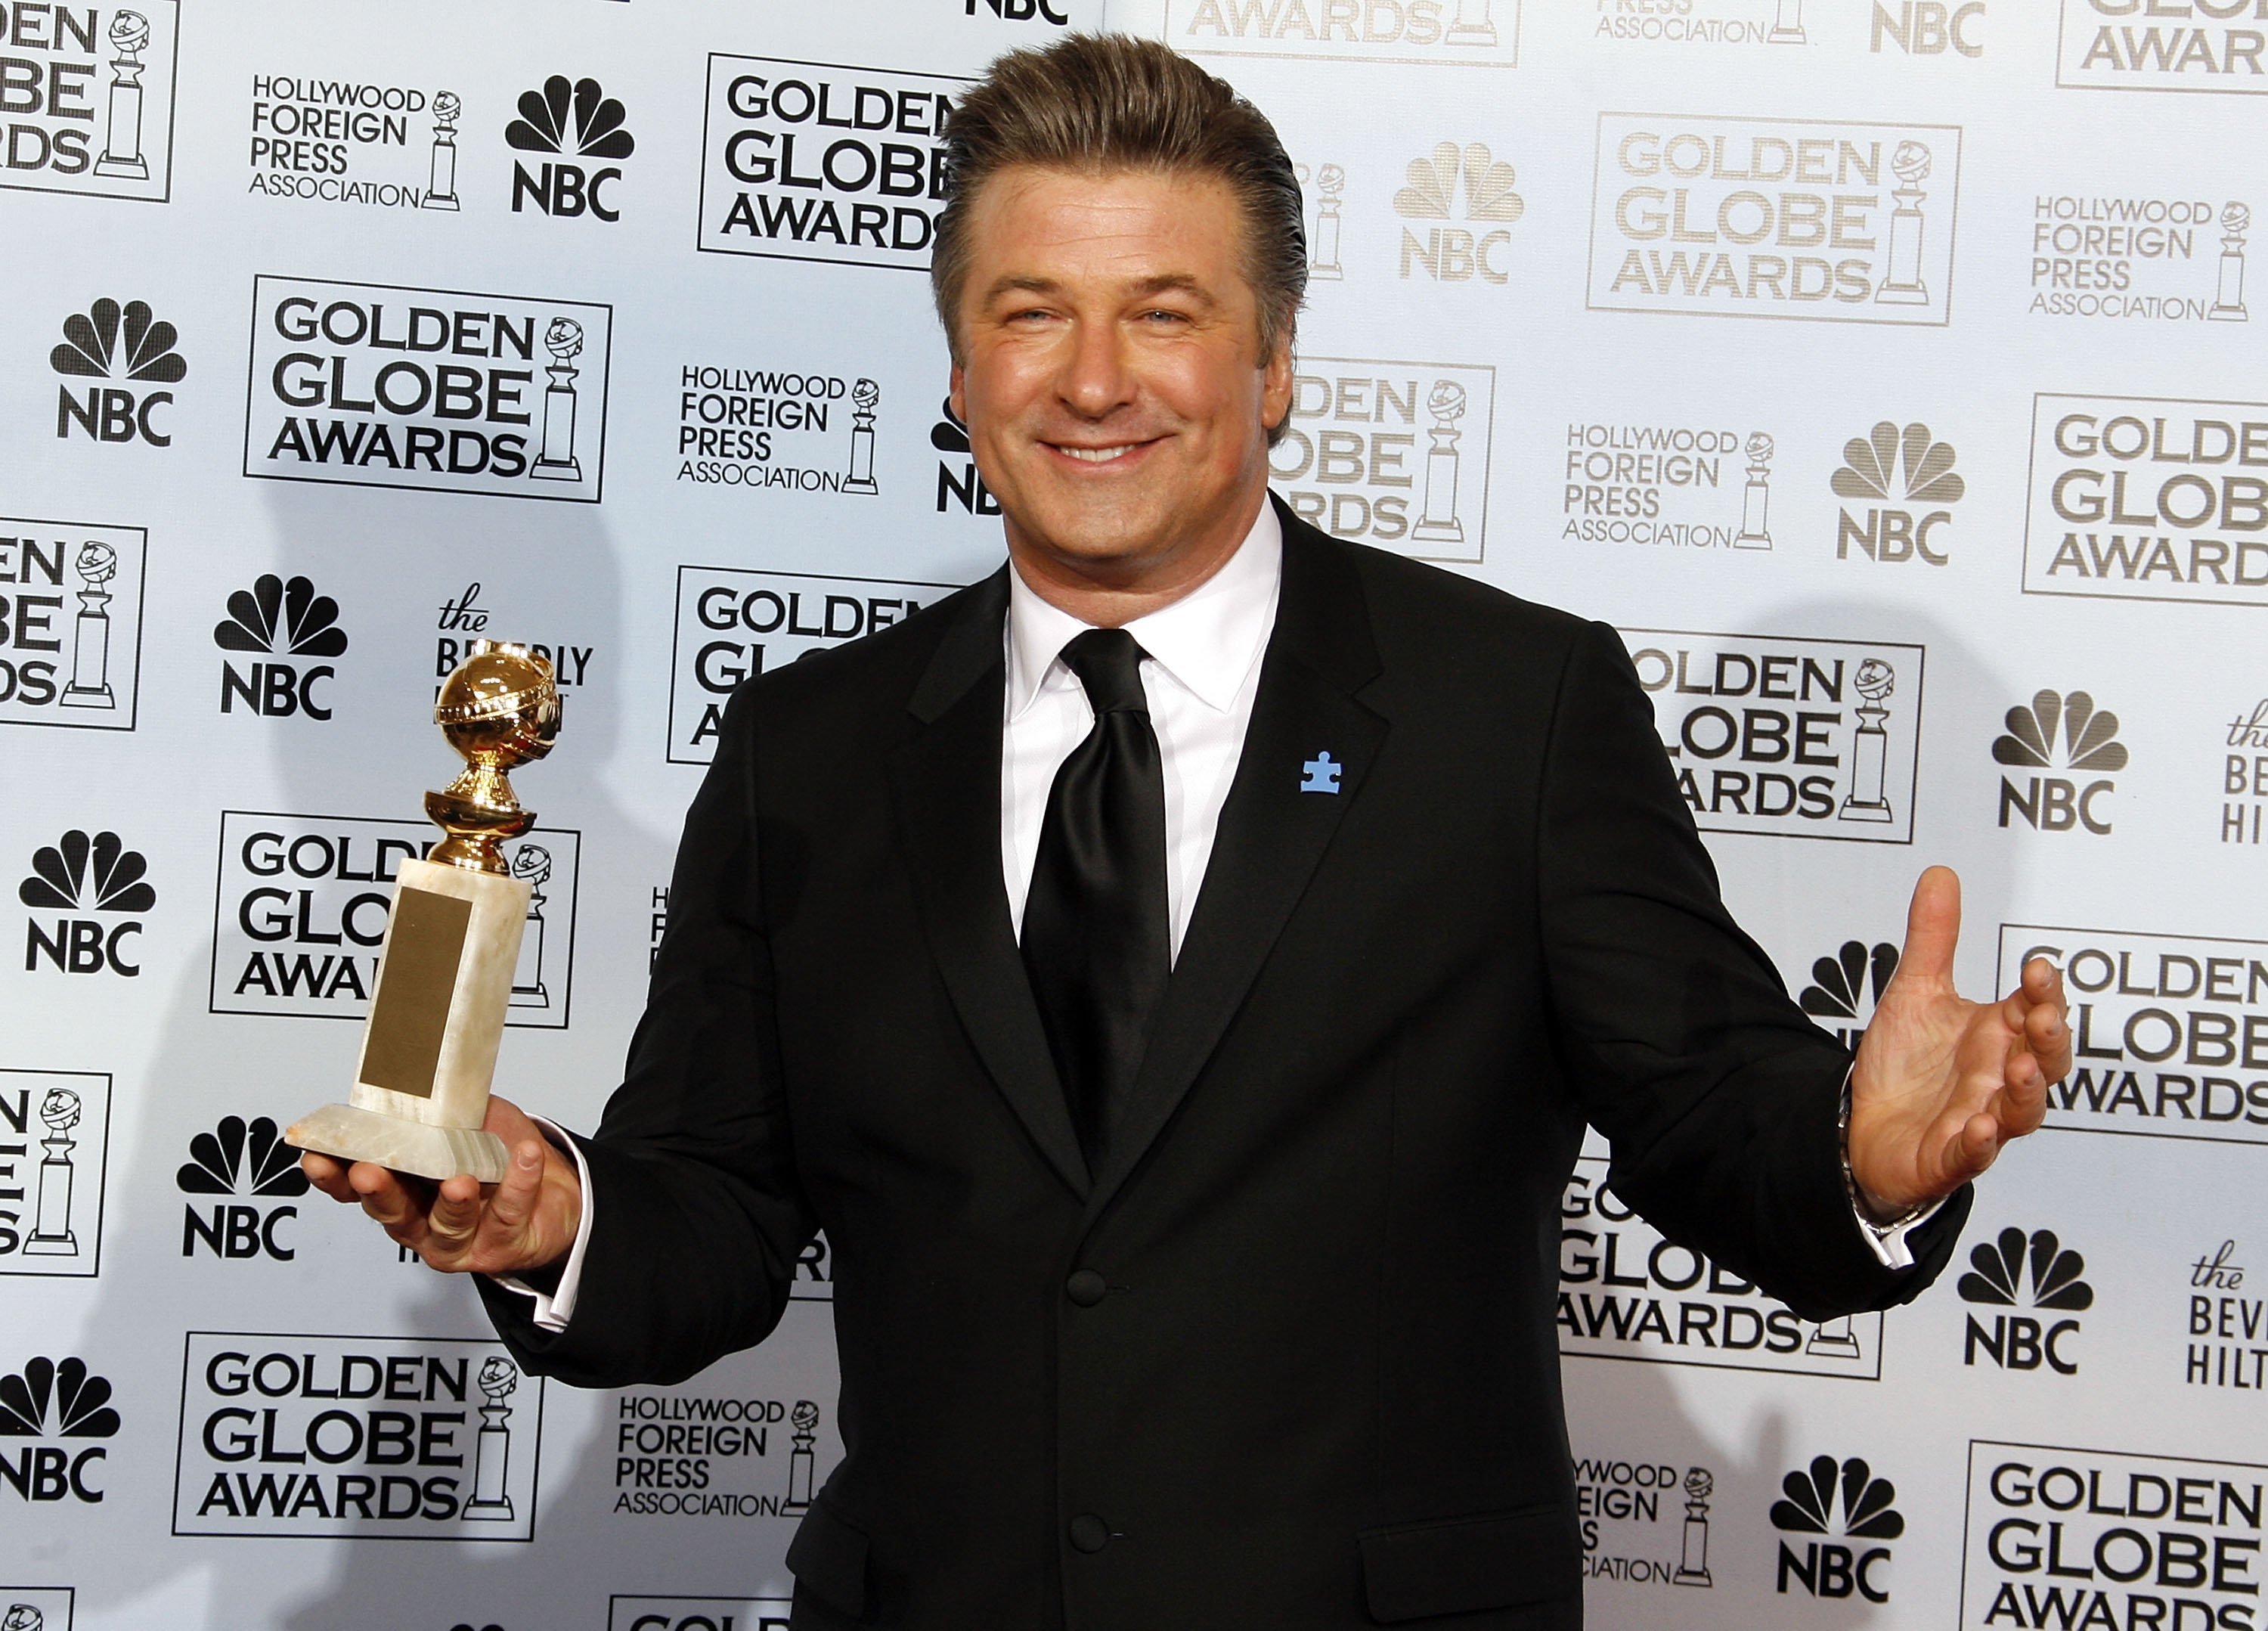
(1321, 774)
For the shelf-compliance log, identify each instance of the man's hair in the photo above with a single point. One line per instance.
(1097, 103)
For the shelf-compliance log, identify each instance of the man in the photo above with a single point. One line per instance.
(1222, 1295)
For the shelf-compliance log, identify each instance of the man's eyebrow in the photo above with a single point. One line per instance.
(1164, 283)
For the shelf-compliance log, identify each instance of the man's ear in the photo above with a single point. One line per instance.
(1275, 383)
(956, 392)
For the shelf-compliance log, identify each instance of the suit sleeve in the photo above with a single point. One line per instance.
(1719, 1096)
(699, 1216)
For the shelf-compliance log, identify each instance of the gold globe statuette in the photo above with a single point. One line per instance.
(445, 976)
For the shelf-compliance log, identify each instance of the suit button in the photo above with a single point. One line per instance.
(1089, 1533)
(1087, 1288)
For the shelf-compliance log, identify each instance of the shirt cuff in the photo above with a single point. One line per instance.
(554, 1308)
(1887, 1241)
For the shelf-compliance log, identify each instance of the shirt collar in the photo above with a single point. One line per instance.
(1208, 641)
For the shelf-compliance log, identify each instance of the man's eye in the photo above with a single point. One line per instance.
(1162, 315)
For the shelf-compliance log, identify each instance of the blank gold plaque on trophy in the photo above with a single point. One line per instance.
(429, 1049)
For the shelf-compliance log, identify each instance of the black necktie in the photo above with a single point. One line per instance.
(1095, 931)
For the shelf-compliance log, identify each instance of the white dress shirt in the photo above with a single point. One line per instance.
(1200, 675)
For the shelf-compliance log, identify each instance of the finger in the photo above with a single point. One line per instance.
(2047, 1028)
(1974, 1148)
(454, 1217)
(328, 1176)
(2048, 1037)
(514, 1200)
(382, 1194)
(2022, 1102)
(1933, 928)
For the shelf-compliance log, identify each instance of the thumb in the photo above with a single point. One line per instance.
(1933, 928)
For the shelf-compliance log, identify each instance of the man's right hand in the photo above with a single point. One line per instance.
(525, 1223)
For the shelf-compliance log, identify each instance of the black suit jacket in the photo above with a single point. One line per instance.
(1287, 1360)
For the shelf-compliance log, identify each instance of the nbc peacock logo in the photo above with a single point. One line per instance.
(75, 877)
(248, 1170)
(2015, 1270)
(1458, 254)
(49, 1412)
(132, 348)
(1846, 987)
(573, 121)
(1903, 477)
(292, 626)
(1840, 1505)
(2089, 750)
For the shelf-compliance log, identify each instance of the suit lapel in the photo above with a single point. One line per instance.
(945, 782)
(1272, 833)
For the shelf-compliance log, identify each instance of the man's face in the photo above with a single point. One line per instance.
(1110, 374)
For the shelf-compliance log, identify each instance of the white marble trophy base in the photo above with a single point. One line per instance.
(429, 1049)
(353, 1135)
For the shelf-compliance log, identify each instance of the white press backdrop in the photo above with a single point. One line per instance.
(1888, 370)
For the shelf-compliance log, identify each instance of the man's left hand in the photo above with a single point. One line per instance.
(1942, 1083)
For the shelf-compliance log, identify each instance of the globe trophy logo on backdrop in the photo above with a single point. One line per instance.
(55, 1424)
(1642, 1523)
(343, 141)
(55, 1159)
(1427, 32)
(36, 1608)
(1802, 738)
(287, 622)
(2167, 260)
(70, 638)
(1823, 220)
(90, 100)
(75, 879)
(323, 1436)
(2167, 1031)
(2210, 47)
(1997, 1278)
(2054, 1535)
(573, 122)
(1324, 191)
(126, 411)
(377, 385)
(2147, 498)
(1835, 1567)
(1905, 477)
(1685, 486)
(777, 429)
(1458, 253)
(809, 161)
(2090, 748)
(1389, 452)
(253, 1171)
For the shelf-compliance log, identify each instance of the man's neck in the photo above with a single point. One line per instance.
(1104, 598)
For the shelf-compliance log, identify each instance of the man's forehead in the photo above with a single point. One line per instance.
(1043, 203)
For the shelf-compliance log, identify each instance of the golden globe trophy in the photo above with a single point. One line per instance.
(451, 941)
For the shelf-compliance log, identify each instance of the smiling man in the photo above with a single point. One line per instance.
(1180, 1000)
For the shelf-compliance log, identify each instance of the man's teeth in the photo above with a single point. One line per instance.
(1097, 455)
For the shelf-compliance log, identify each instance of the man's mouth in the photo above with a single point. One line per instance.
(1098, 455)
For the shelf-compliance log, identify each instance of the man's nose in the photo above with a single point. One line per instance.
(1096, 377)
